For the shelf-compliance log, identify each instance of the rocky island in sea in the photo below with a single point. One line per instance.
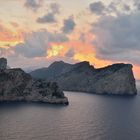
(116, 79)
(16, 85)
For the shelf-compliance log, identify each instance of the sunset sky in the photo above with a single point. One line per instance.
(35, 33)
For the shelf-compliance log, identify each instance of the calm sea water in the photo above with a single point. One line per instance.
(88, 117)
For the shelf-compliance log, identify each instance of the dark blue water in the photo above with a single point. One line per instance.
(88, 117)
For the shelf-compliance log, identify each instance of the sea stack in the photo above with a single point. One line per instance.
(16, 85)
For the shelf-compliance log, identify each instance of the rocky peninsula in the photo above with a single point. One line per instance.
(16, 85)
(116, 79)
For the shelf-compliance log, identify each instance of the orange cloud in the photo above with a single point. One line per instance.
(92, 59)
(54, 50)
(136, 70)
(9, 37)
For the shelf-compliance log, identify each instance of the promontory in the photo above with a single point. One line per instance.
(16, 85)
(116, 79)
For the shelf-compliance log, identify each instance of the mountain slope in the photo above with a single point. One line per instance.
(54, 70)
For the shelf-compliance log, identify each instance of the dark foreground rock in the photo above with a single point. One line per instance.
(116, 79)
(16, 85)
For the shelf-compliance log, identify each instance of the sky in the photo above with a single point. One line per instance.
(35, 33)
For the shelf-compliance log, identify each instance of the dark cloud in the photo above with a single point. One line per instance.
(70, 53)
(33, 4)
(113, 8)
(69, 25)
(49, 18)
(36, 43)
(97, 8)
(118, 38)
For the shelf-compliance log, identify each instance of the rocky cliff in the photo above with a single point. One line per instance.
(3, 63)
(16, 85)
(117, 79)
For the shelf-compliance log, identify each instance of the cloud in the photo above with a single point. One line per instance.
(2, 52)
(126, 7)
(33, 4)
(49, 18)
(70, 53)
(97, 8)
(55, 8)
(14, 24)
(114, 8)
(69, 25)
(118, 38)
(7, 35)
(36, 43)
(137, 4)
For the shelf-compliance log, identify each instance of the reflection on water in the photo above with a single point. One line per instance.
(88, 117)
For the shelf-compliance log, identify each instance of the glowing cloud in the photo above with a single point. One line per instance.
(9, 37)
(54, 50)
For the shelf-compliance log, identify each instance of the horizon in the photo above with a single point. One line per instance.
(36, 33)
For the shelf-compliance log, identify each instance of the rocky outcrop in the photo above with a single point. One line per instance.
(117, 79)
(3, 63)
(16, 85)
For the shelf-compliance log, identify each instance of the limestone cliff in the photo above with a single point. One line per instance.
(117, 79)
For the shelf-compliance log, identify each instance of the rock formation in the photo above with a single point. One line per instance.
(3, 63)
(16, 85)
(116, 79)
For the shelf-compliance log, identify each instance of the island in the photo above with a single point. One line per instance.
(116, 79)
(16, 85)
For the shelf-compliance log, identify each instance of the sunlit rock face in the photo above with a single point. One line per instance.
(16, 85)
(116, 79)
(3, 63)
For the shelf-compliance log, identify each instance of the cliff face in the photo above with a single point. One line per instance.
(16, 85)
(117, 79)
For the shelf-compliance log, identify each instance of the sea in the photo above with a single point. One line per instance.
(87, 117)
